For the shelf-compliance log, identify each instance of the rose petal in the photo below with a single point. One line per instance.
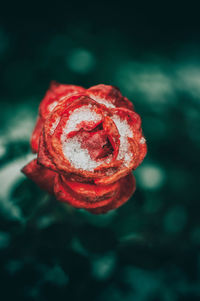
(113, 134)
(55, 94)
(132, 118)
(109, 96)
(139, 148)
(64, 194)
(131, 150)
(44, 158)
(126, 189)
(36, 135)
(91, 192)
(123, 170)
(43, 177)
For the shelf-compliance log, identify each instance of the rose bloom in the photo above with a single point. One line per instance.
(87, 141)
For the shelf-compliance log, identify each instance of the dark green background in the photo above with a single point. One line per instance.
(149, 249)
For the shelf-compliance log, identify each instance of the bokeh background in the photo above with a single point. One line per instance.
(149, 249)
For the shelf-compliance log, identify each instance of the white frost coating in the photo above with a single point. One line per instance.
(54, 125)
(79, 115)
(124, 131)
(142, 140)
(79, 157)
(123, 127)
(52, 106)
(103, 101)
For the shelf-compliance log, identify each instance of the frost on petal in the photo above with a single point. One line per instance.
(142, 140)
(55, 95)
(103, 101)
(81, 115)
(54, 125)
(124, 132)
(79, 157)
(109, 96)
(52, 106)
(73, 148)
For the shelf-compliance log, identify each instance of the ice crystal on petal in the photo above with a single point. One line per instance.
(124, 132)
(103, 101)
(78, 157)
(142, 140)
(52, 106)
(83, 114)
(54, 125)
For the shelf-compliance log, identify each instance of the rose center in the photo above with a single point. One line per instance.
(96, 143)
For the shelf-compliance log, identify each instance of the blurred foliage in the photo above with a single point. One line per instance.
(149, 249)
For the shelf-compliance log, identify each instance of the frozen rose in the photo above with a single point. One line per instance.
(87, 141)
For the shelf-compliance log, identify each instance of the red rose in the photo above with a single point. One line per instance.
(87, 143)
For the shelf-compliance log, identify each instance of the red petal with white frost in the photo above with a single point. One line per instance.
(113, 134)
(131, 151)
(137, 141)
(132, 118)
(43, 177)
(55, 94)
(54, 142)
(109, 96)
